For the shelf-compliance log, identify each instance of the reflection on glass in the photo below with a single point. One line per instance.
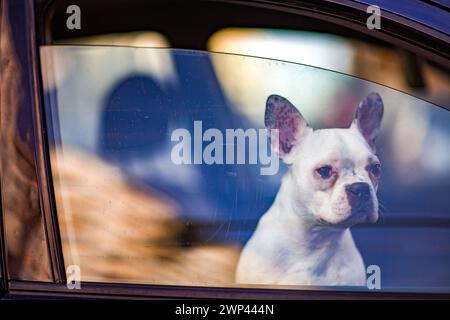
(26, 248)
(157, 158)
(374, 62)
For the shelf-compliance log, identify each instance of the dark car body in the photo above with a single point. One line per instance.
(37, 270)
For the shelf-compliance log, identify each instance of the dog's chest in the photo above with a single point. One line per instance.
(340, 268)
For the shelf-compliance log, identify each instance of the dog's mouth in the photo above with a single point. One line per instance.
(364, 213)
(346, 223)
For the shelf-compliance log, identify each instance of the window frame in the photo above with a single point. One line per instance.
(345, 13)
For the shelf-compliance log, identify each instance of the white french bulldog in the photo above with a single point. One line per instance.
(331, 183)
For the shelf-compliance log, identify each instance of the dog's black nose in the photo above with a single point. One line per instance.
(358, 191)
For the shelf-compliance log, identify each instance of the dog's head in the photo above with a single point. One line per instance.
(333, 173)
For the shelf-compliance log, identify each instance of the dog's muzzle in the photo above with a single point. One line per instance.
(359, 197)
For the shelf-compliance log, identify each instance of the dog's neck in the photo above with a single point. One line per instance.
(305, 234)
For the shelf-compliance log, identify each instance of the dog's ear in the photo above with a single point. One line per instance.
(285, 124)
(368, 118)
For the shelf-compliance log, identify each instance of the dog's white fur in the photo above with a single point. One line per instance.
(304, 238)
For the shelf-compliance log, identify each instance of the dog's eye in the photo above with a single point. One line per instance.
(375, 169)
(325, 171)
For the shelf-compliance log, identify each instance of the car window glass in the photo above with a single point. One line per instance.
(358, 57)
(163, 171)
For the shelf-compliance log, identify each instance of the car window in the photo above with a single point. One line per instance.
(185, 167)
(358, 57)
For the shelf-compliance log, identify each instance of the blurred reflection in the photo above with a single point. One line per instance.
(134, 109)
(394, 68)
(143, 39)
(27, 252)
(118, 232)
